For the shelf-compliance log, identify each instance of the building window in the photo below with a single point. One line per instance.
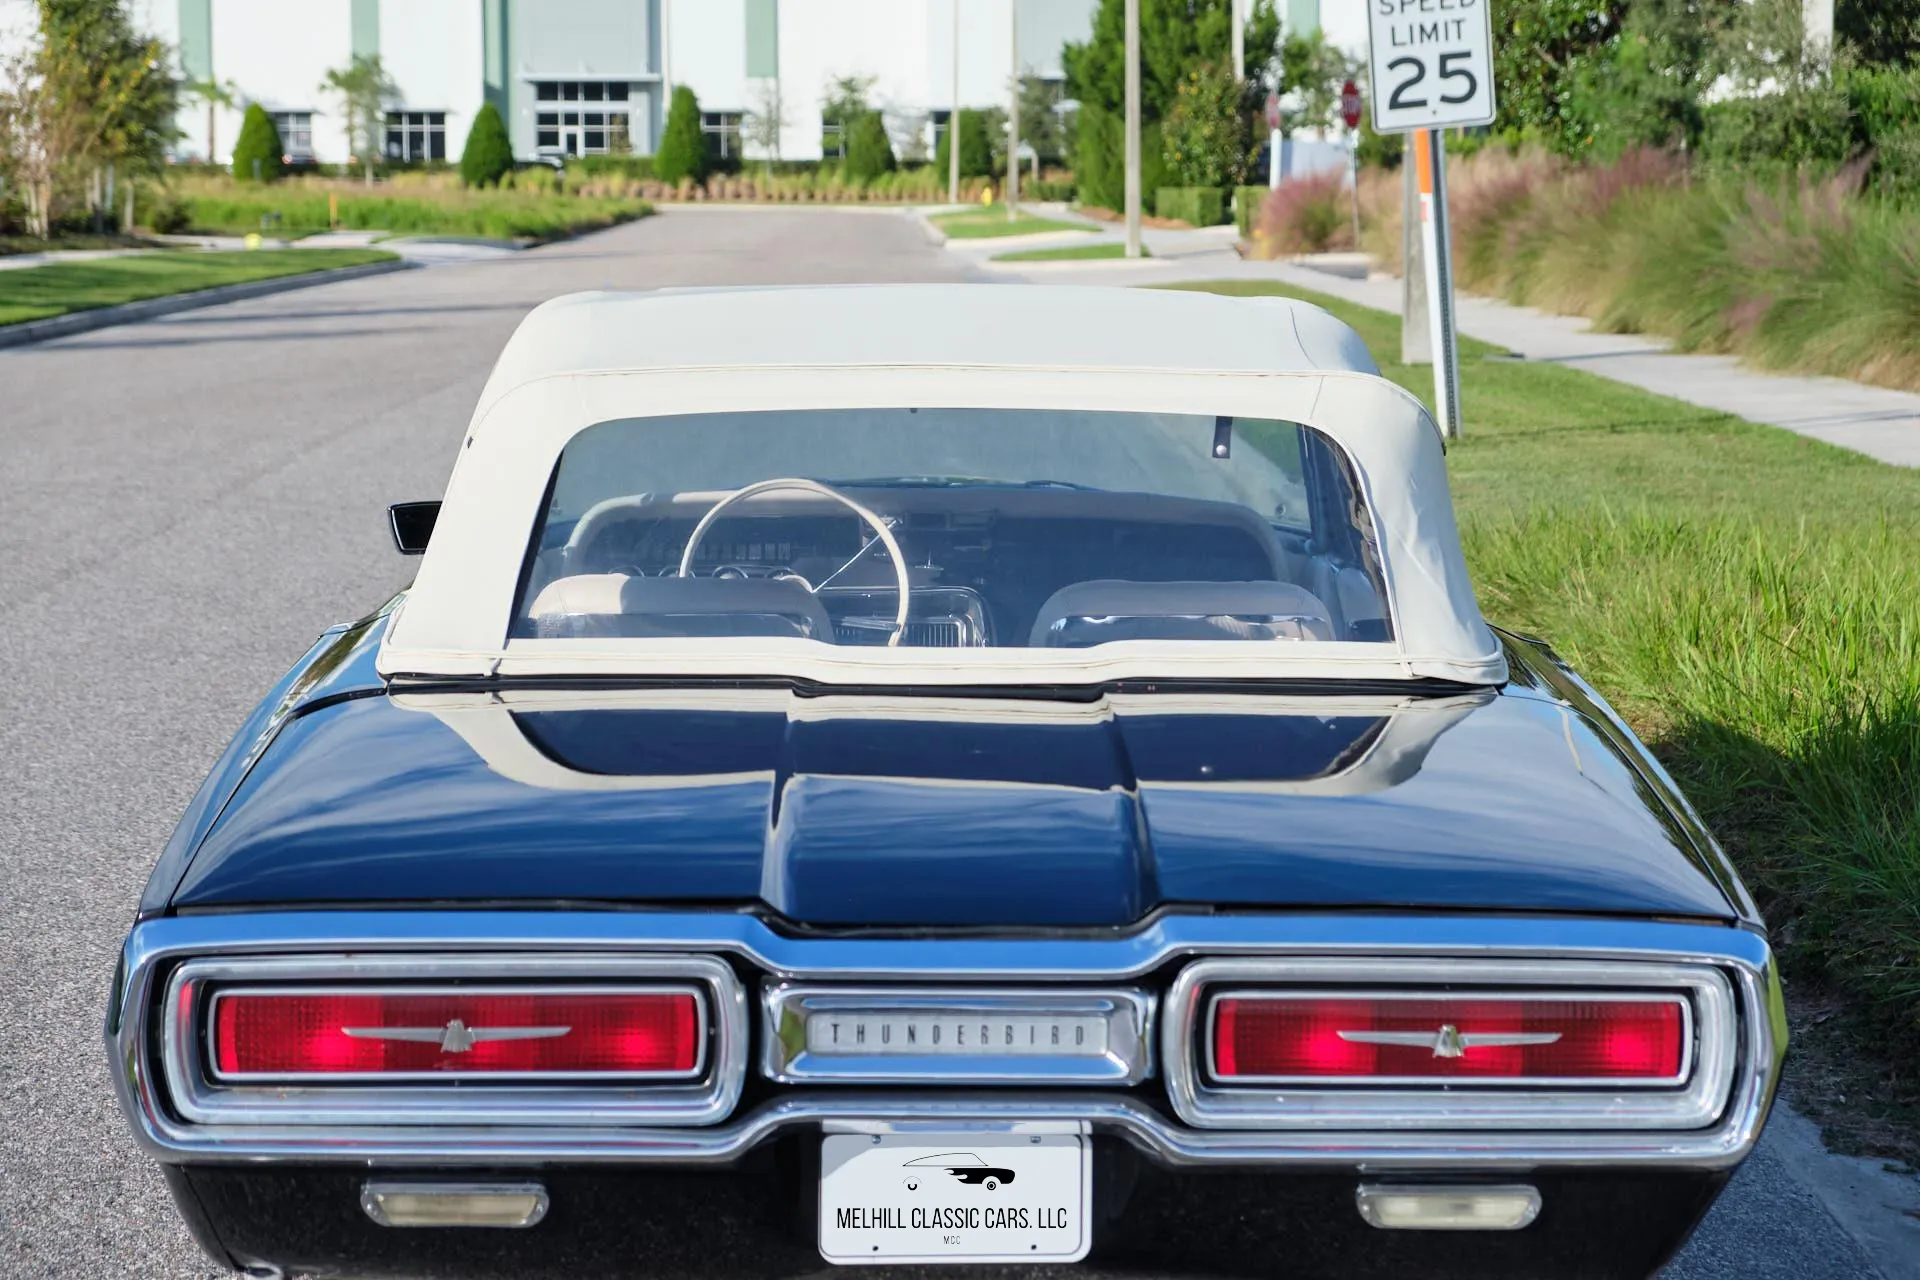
(416, 135)
(833, 144)
(296, 133)
(599, 123)
(722, 130)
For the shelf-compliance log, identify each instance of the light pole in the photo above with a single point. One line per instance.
(1013, 113)
(1132, 200)
(953, 117)
(1239, 43)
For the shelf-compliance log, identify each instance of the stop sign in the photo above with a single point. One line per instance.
(1350, 104)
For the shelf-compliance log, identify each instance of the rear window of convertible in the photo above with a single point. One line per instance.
(954, 528)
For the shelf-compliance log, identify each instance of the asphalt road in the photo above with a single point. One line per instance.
(184, 505)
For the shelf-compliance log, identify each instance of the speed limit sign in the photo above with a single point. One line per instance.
(1432, 63)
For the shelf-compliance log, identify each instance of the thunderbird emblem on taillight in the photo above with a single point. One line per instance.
(1449, 1041)
(456, 1036)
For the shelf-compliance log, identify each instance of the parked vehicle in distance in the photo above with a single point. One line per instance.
(837, 731)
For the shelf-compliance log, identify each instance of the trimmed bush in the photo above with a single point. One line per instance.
(683, 148)
(976, 149)
(1195, 206)
(869, 150)
(488, 155)
(1247, 202)
(259, 143)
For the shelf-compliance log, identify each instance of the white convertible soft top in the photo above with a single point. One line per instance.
(590, 358)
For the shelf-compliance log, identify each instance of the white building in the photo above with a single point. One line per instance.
(575, 77)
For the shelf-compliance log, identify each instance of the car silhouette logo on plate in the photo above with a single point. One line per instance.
(456, 1036)
(1449, 1041)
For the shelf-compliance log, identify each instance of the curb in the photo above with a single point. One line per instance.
(19, 335)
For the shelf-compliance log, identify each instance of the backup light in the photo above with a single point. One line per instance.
(1562, 1038)
(1416, 1208)
(398, 1032)
(432, 1204)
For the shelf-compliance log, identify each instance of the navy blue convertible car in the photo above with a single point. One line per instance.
(838, 733)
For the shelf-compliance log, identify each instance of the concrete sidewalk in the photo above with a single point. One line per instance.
(1876, 421)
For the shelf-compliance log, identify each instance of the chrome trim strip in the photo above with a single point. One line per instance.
(192, 1091)
(373, 1201)
(561, 936)
(1099, 955)
(1316, 1105)
(1368, 1195)
(177, 996)
(1687, 1038)
(1163, 1140)
(785, 1007)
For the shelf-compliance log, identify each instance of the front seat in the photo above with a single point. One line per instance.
(1090, 613)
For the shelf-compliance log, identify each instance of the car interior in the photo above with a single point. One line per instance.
(984, 564)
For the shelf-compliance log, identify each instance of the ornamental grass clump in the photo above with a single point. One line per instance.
(1308, 214)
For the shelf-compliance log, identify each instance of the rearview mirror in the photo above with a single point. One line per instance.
(412, 525)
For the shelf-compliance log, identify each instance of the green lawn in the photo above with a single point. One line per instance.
(991, 220)
(1749, 599)
(1070, 253)
(35, 293)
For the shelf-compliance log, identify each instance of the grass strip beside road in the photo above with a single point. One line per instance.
(1070, 253)
(1750, 600)
(990, 220)
(38, 293)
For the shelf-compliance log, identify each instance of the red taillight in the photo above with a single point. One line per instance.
(406, 1032)
(1361, 1038)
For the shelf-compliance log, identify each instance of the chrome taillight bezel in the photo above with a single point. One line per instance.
(201, 1096)
(1696, 1100)
(219, 994)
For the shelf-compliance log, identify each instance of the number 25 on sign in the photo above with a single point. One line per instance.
(1432, 63)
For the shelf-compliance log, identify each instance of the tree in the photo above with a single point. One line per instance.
(869, 150)
(364, 89)
(683, 148)
(1175, 37)
(1540, 49)
(488, 155)
(215, 94)
(765, 121)
(90, 96)
(844, 102)
(1041, 126)
(1309, 74)
(1880, 32)
(1648, 87)
(257, 152)
(976, 146)
(1206, 139)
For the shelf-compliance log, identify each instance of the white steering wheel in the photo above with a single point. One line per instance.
(874, 522)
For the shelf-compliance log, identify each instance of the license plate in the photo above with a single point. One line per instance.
(963, 1197)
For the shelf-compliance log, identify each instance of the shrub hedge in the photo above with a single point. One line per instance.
(1195, 206)
(1246, 209)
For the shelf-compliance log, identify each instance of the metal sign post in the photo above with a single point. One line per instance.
(1432, 70)
(1430, 158)
(1350, 107)
(1132, 187)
